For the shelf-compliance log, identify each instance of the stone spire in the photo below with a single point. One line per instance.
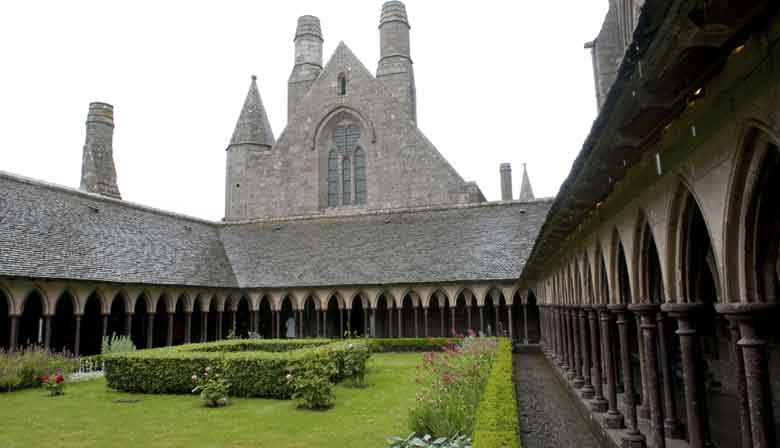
(526, 192)
(98, 174)
(253, 127)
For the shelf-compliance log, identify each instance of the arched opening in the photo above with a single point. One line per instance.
(310, 317)
(502, 323)
(117, 317)
(179, 323)
(287, 318)
(476, 319)
(63, 326)
(461, 314)
(196, 322)
(243, 318)
(342, 84)
(435, 317)
(333, 324)
(532, 318)
(492, 301)
(265, 321)
(91, 327)
(140, 323)
(31, 324)
(228, 318)
(408, 326)
(357, 321)
(213, 321)
(632, 326)
(160, 323)
(381, 318)
(5, 321)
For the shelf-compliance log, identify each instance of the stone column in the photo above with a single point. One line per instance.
(525, 324)
(204, 326)
(169, 336)
(233, 321)
(452, 319)
(613, 419)
(647, 313)
(77, 342)
(187, 327)
(632, 437)
(739, 361)
(587, 388)
(579, 381)
(253, 321)
(481, 319)
(13, 337)
(105, 325)
(695, 404)
(672, 426)
(754, 355)
(219, 326)
(425, 321)
(468, 316)
(561, 349)
(150, 330)
(598, 404)
(47, 332)
(129, 324)
(416, 330)
(567, 344)
(367, 321)
(643, 408)
(511, 323)
(299, 314)
(400, 322)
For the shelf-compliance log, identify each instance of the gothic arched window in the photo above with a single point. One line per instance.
(360, 176)
(346, 175)
(342, 84)
(333, 178)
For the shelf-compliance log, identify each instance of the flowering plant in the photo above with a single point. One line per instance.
(54, 383)
(354, 363)
(311, 381)
(212, 387)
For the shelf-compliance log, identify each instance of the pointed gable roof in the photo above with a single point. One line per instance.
(526, 192)
(253, 127)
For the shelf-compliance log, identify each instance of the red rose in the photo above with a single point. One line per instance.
(45, 378)
(59, 378)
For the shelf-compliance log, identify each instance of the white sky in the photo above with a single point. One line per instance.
(497, 81)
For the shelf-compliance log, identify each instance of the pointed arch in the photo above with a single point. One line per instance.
(360, 176)
(648, 264)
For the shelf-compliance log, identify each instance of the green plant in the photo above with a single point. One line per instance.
(10, 377)
(412, 344)
(353, 363)
(54, 383)
(116, 344)
(496, 416)
(212, 386)
(25, 368)
(427, 441)
(310, 380)
(451, 385)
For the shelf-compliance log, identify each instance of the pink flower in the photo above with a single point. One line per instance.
(45, 378)
(59, 378)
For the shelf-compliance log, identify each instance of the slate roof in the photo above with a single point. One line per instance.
(48, 231)
(482, 242)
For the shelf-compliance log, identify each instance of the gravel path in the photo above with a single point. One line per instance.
(547, 415)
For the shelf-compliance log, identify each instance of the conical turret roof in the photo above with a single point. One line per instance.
(253, 127)
(526, 192)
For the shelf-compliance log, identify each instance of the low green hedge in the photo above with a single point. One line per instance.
(254, 368)
(496, 420)
(411, 344)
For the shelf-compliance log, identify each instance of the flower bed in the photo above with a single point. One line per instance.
(254, 368)
(496, 420)
(26, 367)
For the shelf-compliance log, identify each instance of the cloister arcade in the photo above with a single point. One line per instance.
(663, 316)
(74, 316)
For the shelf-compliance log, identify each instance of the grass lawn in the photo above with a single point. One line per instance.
(89, 416)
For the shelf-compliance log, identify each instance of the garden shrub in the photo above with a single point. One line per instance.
(452, 383)
(116, 344)
(254, 368)
(310, 380)
(496, 417)
(25, 368)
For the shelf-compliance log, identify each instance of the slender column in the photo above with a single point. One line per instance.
(128, 324)
(561, 349)
(300, 324)
(452, 319)
(672, 426)
(150, 330)
(525, 323)
(253, 321)
(416, 331)
(599, 404)
(204, 326)
(643, 409)
(317, 318)
(511, 323)
(695, 405)
(341, 324)
(739, 361)
(77, 343)
(233, 321)
(579, 381)
(400, 321)
(187, 327)
(13, 337)
(587, 388)
(754, 355)
(468, 316)
(647, 313)
(105, 325)
(481, 319)
(169, 336)
(425, 321)
(367, 312)
(567, 344)
(219, 325)
(632, 437)
(47, 333)
(613, 419)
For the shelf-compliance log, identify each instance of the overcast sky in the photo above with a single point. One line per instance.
(497, 81)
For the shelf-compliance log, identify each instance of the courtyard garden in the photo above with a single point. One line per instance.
(277, 393)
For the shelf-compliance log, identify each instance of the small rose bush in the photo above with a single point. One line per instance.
(354, 360)
(311, 382)
(54, 383)
(212, 386)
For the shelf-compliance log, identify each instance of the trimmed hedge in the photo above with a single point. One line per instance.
(412, 344)
(496, 420)
(254, 368)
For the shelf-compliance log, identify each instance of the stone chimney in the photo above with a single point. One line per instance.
(506, 182)
(98, 174)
